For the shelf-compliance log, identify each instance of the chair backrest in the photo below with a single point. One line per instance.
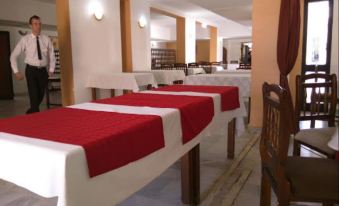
(207, 66)
(166, 66)
(215, 63)
(181, 66)
(275, 130)
(193, 65)
(316, 97)
(244, 66)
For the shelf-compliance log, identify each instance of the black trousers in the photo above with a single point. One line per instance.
(37, 80)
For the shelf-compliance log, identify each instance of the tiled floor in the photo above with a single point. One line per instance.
(223, 182)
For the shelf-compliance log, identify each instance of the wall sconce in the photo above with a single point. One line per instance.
(96, 10)
(142, 22)
(204, 25)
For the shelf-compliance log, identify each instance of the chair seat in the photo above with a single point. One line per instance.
(13, 195)
(317, 139)
(313, 179)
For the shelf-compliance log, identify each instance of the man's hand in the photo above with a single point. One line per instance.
(19, 76)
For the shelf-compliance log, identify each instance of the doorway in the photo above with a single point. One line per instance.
(6, 83)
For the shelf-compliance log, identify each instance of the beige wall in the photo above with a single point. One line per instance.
(171, 45)
(96, 46)
(203, 50)
(264, 61)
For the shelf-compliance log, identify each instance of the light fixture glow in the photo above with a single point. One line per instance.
(142, 22)
(204, 25)
(96, 9)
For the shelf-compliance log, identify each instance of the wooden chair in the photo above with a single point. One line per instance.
(207, 66)
(181, 66)
(216, 63)
(315, 100)
(294, 179)
(166, 66)
(244, 66)
(193, 65)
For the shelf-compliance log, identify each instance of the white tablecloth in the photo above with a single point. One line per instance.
(243, 81)
(232, 66)
(56, 169)
(166, 76)
(127, 81)
(238, 71)
(194, 71)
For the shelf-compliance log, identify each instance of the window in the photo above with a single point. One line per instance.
(317, 36)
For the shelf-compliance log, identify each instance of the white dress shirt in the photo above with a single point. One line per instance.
(28, 45)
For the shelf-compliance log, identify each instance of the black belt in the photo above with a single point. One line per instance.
(35, 67)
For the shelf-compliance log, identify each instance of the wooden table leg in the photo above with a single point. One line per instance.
(112, 92)
(47, 97)
(94, 94)
(149, 87)
(126, 91)
(190, 177)
(231, 139)
(249, 110)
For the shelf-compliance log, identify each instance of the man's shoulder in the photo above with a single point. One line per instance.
(43, 36)
(27, 36)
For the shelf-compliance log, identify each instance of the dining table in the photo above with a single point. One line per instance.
(78, 175)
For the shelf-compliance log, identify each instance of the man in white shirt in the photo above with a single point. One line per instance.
(40, 62)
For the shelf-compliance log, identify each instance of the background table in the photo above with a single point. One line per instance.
(242, 80)
(233, 71)
(123, 81)
(55, 169)
(167, 77)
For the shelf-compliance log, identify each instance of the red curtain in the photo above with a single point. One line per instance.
(288, 42)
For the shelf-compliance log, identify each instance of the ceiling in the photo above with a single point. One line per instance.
(225, 14)
(239, 11)
(227, 28)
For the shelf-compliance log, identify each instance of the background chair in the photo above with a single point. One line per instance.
(181, 66)
(316, 99)
(292, 178)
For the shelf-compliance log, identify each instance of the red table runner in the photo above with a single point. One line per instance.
(229, 94)
(196, 112)
(110, 139)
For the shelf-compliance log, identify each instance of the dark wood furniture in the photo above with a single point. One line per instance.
(207, 66)
(193, 65)
(244, 66)
(292, 178)
(162, 56)
(181, 66)
(166, 66)
(6, 82)
(54, 84)
(316, 99)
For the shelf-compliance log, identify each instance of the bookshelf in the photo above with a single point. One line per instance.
(162, 56)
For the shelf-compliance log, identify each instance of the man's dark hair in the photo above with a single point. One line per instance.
(33, 17)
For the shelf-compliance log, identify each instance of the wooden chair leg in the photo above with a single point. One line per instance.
(94, 94)
(327, 204)
(190, 177)
(284, 195)
(249, 110)
(231, 139)
(296, 148)
(265, 192)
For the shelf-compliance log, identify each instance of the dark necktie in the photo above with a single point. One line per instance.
(38, 47)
